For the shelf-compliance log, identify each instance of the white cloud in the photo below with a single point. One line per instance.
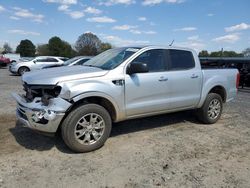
(65, 2)
(193, 42)
(63, 7)
(239, 27)
(24, 13)
(71, 13)
(134, 31)
(92, 10)
(186, 29)
(103, 19)
(22, 32)
(14, 18)
(142, 18)
(231, 38)
(124, 27)
(115, 2)
(2, 8)
(75, 14)
(196, 45)
(210, 14)
(142, 32)
(150, 32)
(155, 2)
(194, 38)
(117, 41)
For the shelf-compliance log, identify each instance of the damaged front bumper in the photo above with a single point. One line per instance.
(39, 117)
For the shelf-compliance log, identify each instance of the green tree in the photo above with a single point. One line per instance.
(42, 49)
(58, 47)
(216, 54)
(26, 48)
(225, 54)
(105, 46)
(204, 53)
(88, 44)
(246, 52)
(7, 48)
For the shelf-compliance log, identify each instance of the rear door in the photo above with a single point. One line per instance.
(185, 79)
(148, 92)
(51, 61)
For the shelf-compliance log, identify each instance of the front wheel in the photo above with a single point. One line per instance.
(22, 70)
(86, 128)
(211, 110)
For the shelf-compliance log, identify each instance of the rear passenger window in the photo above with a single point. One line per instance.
(155, 60)
(52, 60)
(180, 60)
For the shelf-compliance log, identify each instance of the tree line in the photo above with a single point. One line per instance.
(86, 44)
(89, 44)
(221, 53)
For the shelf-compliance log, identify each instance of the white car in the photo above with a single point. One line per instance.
(35, 63)
(78, 60)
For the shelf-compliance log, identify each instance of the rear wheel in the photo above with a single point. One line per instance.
(22, 70)
(86, 128)
(211, 110)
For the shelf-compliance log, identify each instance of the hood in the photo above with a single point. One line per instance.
(54, 75)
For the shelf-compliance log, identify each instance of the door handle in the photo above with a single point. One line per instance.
(163, 79)
(194, 76)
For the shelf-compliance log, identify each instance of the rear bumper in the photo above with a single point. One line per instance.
(2, 64)
(38, 117)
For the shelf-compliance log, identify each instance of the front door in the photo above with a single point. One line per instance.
(148, 92)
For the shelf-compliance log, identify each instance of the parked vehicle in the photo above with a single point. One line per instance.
(4, 61)
(35, 63)
(240, 63)
(79, 60)
(120, 84)
(13, 57)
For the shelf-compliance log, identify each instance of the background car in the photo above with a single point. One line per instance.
(13, 57)
(35, 63)
(78, 60)
(4, 61)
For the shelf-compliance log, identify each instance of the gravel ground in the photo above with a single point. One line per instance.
(171, 150)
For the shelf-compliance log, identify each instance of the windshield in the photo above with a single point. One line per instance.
(69, 61)
(111, 58)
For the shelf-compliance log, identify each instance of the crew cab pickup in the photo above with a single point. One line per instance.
(120, 84)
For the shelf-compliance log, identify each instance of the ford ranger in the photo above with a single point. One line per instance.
(120, 84)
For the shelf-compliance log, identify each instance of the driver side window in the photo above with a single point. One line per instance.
(154, 59)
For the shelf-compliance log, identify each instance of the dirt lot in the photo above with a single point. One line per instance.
(171, 150)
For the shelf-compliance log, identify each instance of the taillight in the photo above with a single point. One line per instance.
(238, 80)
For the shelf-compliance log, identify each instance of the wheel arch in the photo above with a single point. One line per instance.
(22, 67)
(102, 101)
(217, 88)
(220, 90)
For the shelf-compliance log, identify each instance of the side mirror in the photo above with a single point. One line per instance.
(137, 67)
(34, 61)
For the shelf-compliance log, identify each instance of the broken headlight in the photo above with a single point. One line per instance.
(46, 92)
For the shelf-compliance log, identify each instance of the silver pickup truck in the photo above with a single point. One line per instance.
(120, 84)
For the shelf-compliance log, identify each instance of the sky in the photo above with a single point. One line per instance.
(198, 24)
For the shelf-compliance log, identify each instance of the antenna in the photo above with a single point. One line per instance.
(171, 43)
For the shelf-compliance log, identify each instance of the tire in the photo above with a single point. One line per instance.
(22, 70)
(79, 134)
(211, 110)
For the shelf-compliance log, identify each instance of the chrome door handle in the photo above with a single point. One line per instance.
(194, 76)
(163, 79)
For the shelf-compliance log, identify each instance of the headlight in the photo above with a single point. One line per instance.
(46, 92)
